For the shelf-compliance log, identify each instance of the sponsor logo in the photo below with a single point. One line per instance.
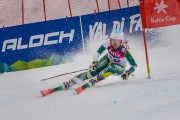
(166, 19)
(98, 30)
(115, 54)
(161, 7)
(37, 40)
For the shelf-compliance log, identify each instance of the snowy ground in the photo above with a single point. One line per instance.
(138, 98)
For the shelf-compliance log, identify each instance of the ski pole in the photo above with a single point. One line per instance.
(63, 74)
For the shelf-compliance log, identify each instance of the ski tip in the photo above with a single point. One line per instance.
(44, 92)
(79, 90)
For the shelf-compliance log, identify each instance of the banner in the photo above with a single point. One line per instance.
(39, 44)
(97, 27)
(159, 13)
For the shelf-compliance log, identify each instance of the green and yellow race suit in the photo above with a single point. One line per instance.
(114, 62)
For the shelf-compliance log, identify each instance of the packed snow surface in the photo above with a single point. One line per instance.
(138, 98)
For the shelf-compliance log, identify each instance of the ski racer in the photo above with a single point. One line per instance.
(112, 63)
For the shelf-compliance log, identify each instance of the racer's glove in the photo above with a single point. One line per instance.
(93, 66)
(125, 75)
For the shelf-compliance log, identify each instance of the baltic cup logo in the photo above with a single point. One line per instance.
(161, 7)
(162, 15)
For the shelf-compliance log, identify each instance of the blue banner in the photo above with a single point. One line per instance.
(99, 26)
(40, 40)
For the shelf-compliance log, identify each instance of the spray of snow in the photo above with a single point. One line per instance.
(138, 98)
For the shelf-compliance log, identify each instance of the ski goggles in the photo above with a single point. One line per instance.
(117, 41)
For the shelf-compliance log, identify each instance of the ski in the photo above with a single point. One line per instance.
(48, 91)
(82, 88)
(79, 90)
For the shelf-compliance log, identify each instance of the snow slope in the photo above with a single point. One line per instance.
(138, 98)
